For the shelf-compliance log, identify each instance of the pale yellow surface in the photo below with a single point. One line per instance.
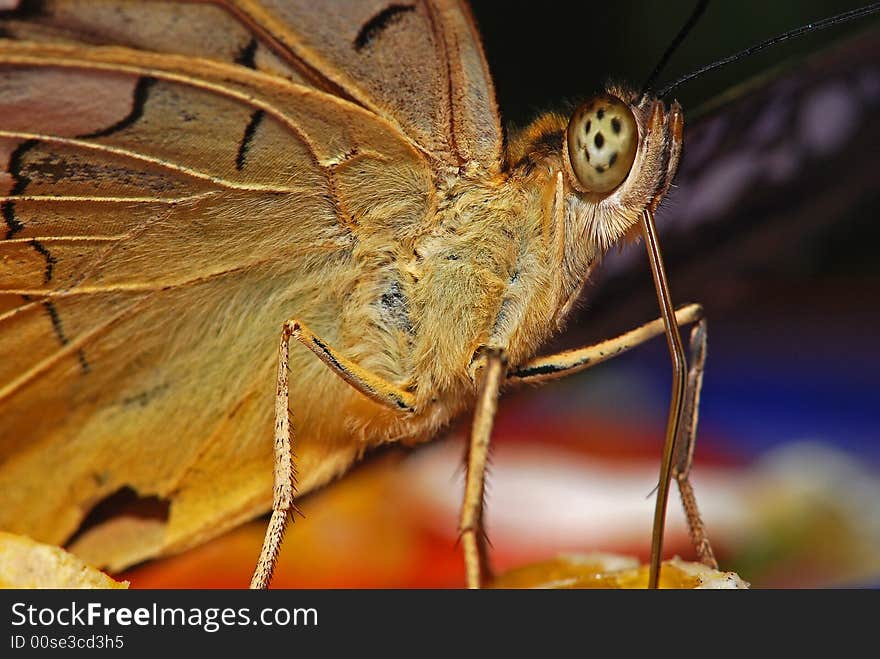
(28, 564)
(613, 571)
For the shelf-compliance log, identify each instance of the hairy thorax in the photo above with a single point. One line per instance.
(485, 272)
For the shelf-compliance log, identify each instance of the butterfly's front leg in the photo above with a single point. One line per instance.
(368, 384)
(553, 367)
(488, 367)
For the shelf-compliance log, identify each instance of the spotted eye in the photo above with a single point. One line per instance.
(602, 142)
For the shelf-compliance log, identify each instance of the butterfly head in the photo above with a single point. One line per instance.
(619, 154)
(601, 142)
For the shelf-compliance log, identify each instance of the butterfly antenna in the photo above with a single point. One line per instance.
(845, 17)
(676, 42)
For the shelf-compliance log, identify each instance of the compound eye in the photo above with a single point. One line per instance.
(602, 142)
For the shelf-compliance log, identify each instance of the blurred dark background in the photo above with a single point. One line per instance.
(543, 54)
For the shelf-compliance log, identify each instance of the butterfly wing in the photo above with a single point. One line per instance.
(795, 127)
(162, 216)
(419, 64)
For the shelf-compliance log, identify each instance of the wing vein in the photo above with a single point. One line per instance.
(133, 155)
(72, 346)
(116, 200)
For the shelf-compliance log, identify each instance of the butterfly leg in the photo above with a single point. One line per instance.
(282, 495)
(553, 367)
(560, 365)
(473, 537)
(683, 455)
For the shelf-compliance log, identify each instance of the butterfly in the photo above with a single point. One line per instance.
(171, 199)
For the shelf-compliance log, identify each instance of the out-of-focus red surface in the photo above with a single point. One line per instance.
(386, 525)
(564, 478)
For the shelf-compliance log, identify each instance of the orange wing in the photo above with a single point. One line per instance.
(418, 64)
(162, 216)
